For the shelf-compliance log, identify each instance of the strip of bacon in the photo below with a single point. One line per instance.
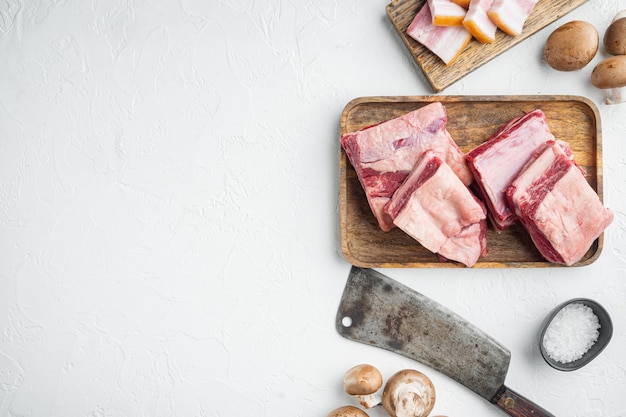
(447, 42)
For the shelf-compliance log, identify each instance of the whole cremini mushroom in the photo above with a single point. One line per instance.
(347, 411)
(409, 393)
(610, 75)
(363, 381)
(571, 46)
(615, 36)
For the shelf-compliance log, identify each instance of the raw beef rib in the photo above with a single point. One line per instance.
(383, 155)
(557, 206)
(498, 160)
(435, 208)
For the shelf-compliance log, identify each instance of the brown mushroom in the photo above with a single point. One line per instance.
(363, 381)
(347, 411)
(571, 46)
(615, 35)
(610, 75)
(409, 393)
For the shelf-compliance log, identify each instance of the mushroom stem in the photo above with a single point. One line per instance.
(616, 95)
(369, 401)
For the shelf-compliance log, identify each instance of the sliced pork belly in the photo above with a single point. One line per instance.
(498, 160)
(478, 23)
(510, 15)
(383, 155)
(435, 208)
(557, 206)
(447, 42)
(446, 13)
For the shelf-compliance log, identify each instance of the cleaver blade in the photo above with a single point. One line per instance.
(379, 311)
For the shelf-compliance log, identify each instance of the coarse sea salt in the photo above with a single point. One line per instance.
(571, 333)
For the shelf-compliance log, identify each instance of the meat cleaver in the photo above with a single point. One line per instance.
(381, 312)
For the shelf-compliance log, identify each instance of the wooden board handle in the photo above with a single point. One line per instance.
(516, 405)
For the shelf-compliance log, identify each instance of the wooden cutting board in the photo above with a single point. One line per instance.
(471, 120)
(440, 76)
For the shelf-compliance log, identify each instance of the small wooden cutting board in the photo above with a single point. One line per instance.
(471, 120)
(440, 76)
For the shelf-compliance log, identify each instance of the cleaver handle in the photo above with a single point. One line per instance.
(516, 405)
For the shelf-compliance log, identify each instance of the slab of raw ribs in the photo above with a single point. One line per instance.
(416, 178)
(383, 155)
(495, 162)
(434, 207)
(557, 206)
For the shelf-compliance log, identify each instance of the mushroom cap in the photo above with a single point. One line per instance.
(347, 411)
(362, 379)
(409, 393)
(571, 46)
(610, 73)
(615, 36)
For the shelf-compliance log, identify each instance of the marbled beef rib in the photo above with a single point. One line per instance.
(383, 155)
(557, 206)
(435, 208)
(495, 162)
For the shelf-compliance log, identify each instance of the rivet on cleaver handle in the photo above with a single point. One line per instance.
(379, 311)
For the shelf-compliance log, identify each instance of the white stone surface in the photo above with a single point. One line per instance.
(168, 212)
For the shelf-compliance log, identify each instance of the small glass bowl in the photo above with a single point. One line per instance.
(606, 332)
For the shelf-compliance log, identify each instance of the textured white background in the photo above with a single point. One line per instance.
(168, 211)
